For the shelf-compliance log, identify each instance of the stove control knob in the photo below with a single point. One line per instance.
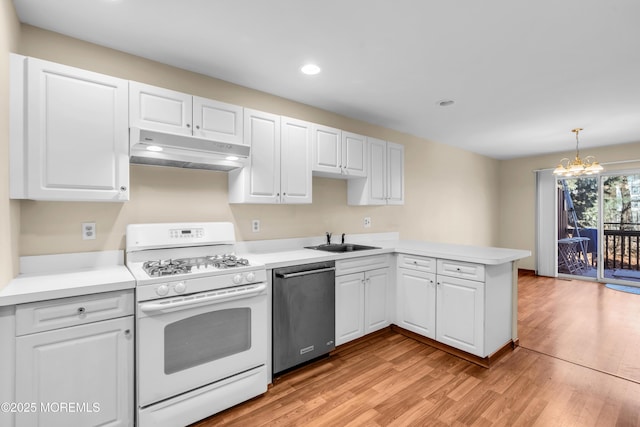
(251, 277)
(179, 287)
(162, 290)
(237, 279)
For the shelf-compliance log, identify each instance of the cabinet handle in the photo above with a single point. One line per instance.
(123, 188)
(197, 127)
(127, 332)
(81, 310)
(188, 125)
(415, 262)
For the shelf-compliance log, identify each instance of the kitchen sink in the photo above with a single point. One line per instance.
(344, 247)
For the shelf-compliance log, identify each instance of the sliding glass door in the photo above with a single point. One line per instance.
(620, 195)
(598, 227)
(578, 221)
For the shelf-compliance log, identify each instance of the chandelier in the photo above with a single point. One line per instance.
(578, 166)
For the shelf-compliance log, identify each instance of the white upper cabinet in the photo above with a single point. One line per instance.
(354, 152)
(338, 154)
(384, 184)
(159, 109)
(279, 169)
(295, 161)
(166, 110)
(69, 133)
(327, 153)
(259, 181)
(395, 174)
(217, 120)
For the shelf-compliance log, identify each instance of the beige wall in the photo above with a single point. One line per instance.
(458, 207)
(518, 192)
(9, 210)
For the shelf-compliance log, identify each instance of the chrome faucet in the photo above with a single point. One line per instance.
(342, 239)
(328, 238)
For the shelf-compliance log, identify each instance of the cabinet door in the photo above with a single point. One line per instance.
(460, 314)
(160, 109)
(377, 180)
(395, 174)
(295, 161)
(327, 151)
(349, 307)
(89, 365)
(376, 313)
(262, 132)
(78, 139)
(416, 302)
(217, 120)
(354, 154)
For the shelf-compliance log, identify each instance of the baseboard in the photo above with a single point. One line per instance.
(485, 362)
(526, 272)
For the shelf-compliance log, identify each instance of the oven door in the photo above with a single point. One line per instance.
(191, 341)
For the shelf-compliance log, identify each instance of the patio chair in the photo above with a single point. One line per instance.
(592, 247)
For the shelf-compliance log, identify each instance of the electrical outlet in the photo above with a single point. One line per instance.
(88, 231)
(367, 222)
(255, 225)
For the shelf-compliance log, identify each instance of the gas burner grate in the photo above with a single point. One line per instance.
(166, 267)
(186, 265)
(228, 261)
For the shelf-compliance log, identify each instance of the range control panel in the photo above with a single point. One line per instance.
(186, 233)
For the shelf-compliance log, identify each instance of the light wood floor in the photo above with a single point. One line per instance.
(571, 334)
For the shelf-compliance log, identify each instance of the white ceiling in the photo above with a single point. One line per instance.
(522, 73)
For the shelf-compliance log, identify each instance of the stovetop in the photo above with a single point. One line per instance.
(170, 267)
(176, 259)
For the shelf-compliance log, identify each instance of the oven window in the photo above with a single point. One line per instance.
(206, 337)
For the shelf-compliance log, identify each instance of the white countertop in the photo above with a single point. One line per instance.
(66, 275)
(51, 276)
(283, 257)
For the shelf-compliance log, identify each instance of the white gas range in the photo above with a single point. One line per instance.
(201, 321)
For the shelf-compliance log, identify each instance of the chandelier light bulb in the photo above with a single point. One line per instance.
(577, 166)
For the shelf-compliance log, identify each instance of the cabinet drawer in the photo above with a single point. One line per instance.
(64, 312)
(419, 263)
(356, 265)
(465, 270)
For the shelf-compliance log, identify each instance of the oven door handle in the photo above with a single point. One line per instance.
(216, 297)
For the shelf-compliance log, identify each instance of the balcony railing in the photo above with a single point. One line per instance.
(622, 244)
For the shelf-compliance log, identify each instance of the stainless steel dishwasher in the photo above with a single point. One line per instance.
(303, 313)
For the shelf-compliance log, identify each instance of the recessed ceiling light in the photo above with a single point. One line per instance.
(232, 157)
(445, 102)
(154, 148)
(310, 69)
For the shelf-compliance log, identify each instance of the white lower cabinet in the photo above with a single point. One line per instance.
(361, 304)
(443, 304)
(362, 301)
(78, 375)
(349, 307)
(460, 314)
(417, 302)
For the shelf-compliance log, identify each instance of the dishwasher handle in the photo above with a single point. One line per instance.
(304, 273)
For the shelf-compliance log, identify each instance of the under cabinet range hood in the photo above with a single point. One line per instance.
(148, 147)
